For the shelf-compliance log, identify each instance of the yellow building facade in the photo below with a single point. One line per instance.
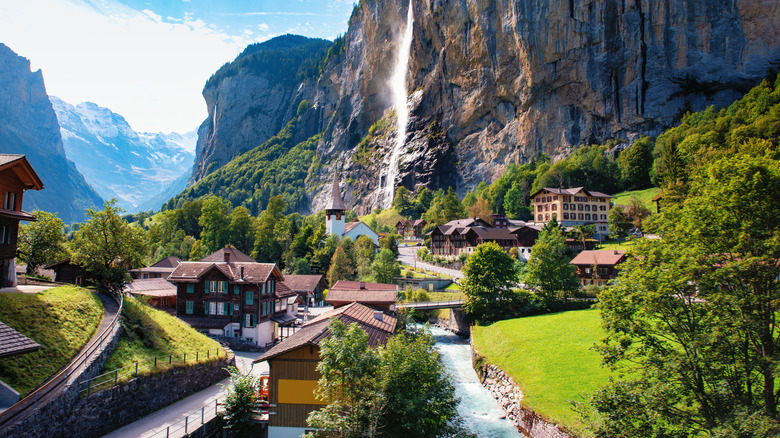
(574, 206)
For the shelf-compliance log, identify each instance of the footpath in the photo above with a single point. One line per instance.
(408, 256)
(182, 417)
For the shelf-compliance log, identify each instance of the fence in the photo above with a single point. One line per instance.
(120, 375)
(33, 401)
(191, 422)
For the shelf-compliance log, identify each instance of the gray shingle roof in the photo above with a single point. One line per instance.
(13, 342)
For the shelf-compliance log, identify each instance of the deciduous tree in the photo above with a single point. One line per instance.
(41, 242)
(489, 277)
(385, 268)
(340, 267)
(549, 273)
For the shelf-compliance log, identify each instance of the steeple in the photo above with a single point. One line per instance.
(336, 203)
(334, 211)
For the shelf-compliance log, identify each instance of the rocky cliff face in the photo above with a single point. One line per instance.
(28, 125)
(494, 82)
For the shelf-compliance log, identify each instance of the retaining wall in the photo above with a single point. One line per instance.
(112, 408)
(509, 396)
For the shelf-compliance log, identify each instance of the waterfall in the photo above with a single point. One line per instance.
(398, 89)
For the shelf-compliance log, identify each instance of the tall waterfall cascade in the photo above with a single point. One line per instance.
(399, 95)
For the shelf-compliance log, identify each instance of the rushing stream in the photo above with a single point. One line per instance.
(480, 411)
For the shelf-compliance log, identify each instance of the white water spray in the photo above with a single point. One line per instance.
(398, 90)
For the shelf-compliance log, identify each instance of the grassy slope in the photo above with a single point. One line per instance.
(550, 357)
(614, 244)
(148, 332)
(388, 218)
(645, 196)
(61, 320)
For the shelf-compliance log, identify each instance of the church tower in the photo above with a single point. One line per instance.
(334, 212)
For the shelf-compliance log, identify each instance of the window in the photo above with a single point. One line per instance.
(547, 216)
(10, 201)
(555, 198)
(221, 309)
(581, 216)
(587, 270)
(603, 217)
(587, 216)
(555, 207)
(587, 207)
(190, 307)
(565, 206)
(190, 288)
(273, 285)
(579, 207)
(539, 218)
(249, 320)
(213, 308)
(565, 216)
(5, 235)
(278, 306)
(250, 298)
(236, 289)
(555, 215)
(216, 286)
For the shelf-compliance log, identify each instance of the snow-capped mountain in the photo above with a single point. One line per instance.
(134, 167)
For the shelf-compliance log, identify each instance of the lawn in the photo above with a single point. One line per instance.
(387, 218)
(61, 320)
(148, 333)
(422, 273)
(549, 357)
(615, 244)
(645, 196)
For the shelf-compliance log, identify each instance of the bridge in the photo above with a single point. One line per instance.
(431, 305)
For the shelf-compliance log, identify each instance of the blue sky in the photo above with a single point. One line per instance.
(148, 60)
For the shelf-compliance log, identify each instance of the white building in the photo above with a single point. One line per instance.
(334, 218)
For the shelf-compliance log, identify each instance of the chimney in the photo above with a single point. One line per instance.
(242, 272)
(378, 315)
(616, 252)
(362, 285)
(226, 256)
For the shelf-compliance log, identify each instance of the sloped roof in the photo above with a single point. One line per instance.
(302, 283)
(18, 215)
(313, 332)
(335, 202)
(572, 191)
(491, 233)
(152, 287)
(13, 343)
(253, 272)
(22, 169)
(282, 291)
(362, 292)
(362, 285)
(235, 256)
(601, 257)
(206, 322)
(168, 262)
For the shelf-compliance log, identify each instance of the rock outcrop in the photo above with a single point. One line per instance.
(494, 82)
(28, 125)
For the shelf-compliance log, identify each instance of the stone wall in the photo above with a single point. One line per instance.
(48, 420)
(509, 397)
(111, 409)
(456, 323)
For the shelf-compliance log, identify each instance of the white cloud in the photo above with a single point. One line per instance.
(263, 26)
(148, 69)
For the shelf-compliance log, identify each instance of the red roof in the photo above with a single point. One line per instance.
(313, 332)
(190, 272)
(233, 254)
(603, 257)
(152, 287)
(362, 285)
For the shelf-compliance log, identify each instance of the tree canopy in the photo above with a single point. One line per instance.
(489, 278)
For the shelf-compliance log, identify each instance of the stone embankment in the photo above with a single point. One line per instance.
(509, 396)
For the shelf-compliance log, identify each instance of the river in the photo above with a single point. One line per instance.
(480, 411)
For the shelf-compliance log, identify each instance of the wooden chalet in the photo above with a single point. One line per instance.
(67, 272)
(598, 267)
(158, 292)
(376, 295)
(464, 235)
(161, 269)
(16, 176)
(228, 293)
(409, 229)
(309, 288)
(292, 365)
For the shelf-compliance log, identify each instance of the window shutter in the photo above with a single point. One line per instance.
(190, 288)
(207, 286)
(224, 287)
(206, 305)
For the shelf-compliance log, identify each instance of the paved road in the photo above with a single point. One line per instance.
(407, 256)
(69, 375)
(157, 424)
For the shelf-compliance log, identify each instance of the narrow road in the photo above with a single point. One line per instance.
(169, 421)
(67, 375)
(408, 256)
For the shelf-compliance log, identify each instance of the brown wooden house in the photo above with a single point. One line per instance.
(464, 235)
(309, 288)
(598, 267)
(379, 296)
(409, 229)
(16, 176)
(242, 299)
(292, 363)
(161, 269)
(67, 272)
